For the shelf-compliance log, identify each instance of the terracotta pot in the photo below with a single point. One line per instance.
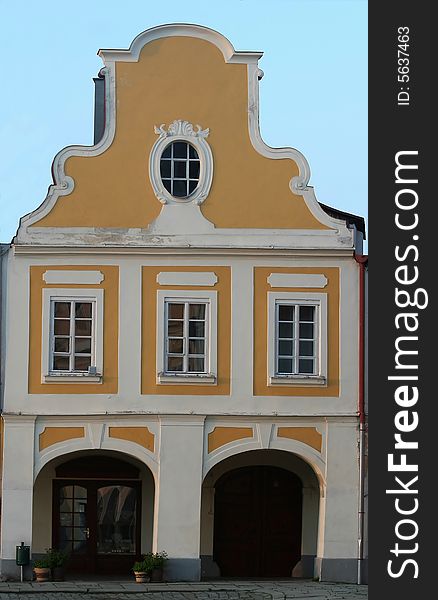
(141, 577)
(42, 574)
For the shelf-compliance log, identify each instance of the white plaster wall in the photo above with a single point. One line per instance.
(128, 399)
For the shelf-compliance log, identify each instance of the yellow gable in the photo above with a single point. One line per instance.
(181, 78)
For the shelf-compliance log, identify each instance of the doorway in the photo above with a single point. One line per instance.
(257, 522)
(97, 515)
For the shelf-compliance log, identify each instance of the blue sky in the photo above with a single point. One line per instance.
(313, 95)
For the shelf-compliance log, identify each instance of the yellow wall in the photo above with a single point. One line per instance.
(149, 329)
(110, 285)
(261, 289)
(181, 78)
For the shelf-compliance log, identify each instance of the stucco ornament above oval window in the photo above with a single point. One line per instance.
(181, 163)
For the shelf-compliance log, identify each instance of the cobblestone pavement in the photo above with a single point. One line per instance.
(218, 590)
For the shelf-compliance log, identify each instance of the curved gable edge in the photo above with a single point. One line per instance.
(339, 234)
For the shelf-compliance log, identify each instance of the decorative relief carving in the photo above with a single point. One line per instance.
(181, 128)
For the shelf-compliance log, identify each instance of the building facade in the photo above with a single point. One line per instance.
(182, 334)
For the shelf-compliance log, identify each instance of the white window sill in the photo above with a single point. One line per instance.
(72, 378)
(186, 378)
(297, 380)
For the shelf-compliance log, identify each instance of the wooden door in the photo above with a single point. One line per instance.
(98, 524)
(257, 524)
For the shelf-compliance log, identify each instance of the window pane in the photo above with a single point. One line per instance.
(79, 533)
(307, 313)
(167, 151)
(306, 331)
(179, 169)
(82, 363)
(80, 492)
(116, 519)
(82, 345)
(165, 168)
(306, 348)
(197, 311)
(196, 365)
(180, 188)
(174, 363)
(175, 311)
(61, 327)
(196, 346)
(285, 330)
(65, 519)
(306, 365)
(194, 169)
(80, 505)
(175, 346)
(66, 491)
(285, 365)
(192, 152)
(192, 186)
(285, 312)
(196, 328)
(285, 348)
(66, 505)
(168, 185)
(180, 149)
(62, 344)
(61, 363)
(83, 327)
(80, 519)
(62, 309)
(175, 328)
(83, 310)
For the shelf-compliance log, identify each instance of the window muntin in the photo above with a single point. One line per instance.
(180, 169)
(72, 335)
(186, 330)
(296, 342)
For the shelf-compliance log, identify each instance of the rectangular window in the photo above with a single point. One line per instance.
(296, 340)
(72, 335)
(186, 325)
(72, 342)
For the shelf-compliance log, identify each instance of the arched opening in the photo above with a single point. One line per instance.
(260, 516)
(96, 506)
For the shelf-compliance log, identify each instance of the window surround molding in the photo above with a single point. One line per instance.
(180, 130)
(298, 298)
(205, 296)
(51, 295)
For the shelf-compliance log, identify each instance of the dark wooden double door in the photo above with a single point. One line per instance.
(98, 523)
(257, 522)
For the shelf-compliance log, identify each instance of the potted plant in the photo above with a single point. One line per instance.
(41, 568)
(57, 560)
(142, 570)
(157, 562)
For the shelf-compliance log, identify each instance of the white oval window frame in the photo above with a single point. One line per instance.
(181, 130)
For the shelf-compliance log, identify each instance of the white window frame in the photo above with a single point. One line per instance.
(205, 297)
(319, 301)
(51, 295)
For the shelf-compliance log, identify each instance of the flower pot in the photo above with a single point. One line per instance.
(157, 574)
(141, 577)
(42, 574)
(58, 573)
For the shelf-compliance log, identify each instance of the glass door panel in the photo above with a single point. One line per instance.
(73, 531)
(116, 519)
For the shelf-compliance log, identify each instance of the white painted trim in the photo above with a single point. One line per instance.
(93, 295)
(178, 378)
(209, 296)
(73, 277)
(318, 300)
(299, 280)
(201, 278)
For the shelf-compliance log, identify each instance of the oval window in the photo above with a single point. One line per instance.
(179, 169)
